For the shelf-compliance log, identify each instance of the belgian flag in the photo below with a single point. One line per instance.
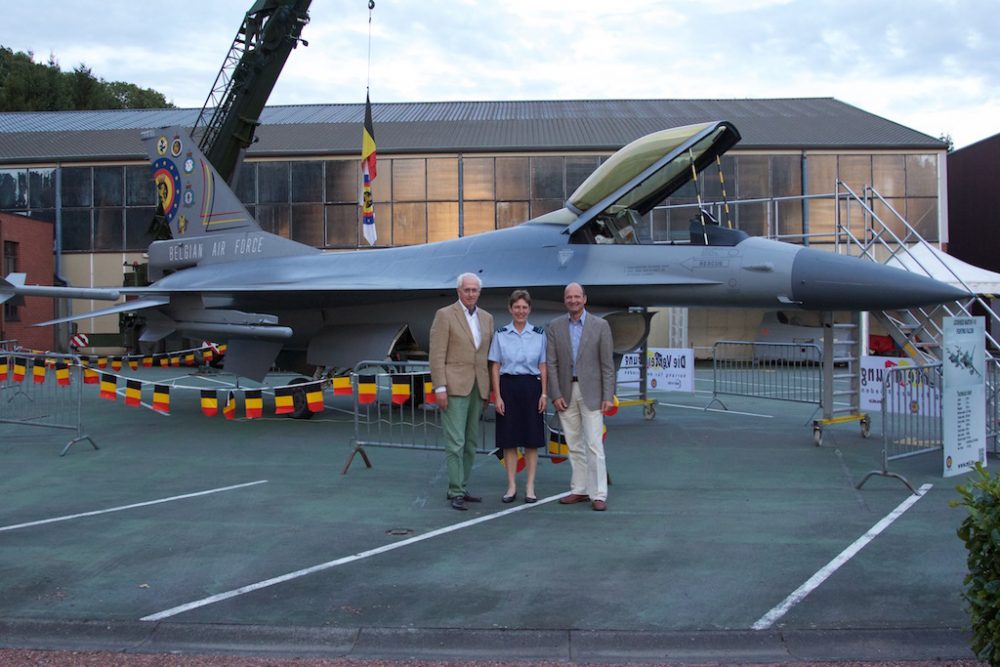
(189, 359)
(209, 402)
(613, 410)
(222, 349)
(558, 449)
(147, 362)
(254, 403)
(62, 374)
(175, 361)
(19, 369)
(342, 385)
(520, 459)
(367, 389)
(4, 361)
(116, 364)
(164, 361)
(229, 409)
(284, 401)
(133, 393)
(89, 376)
(206, 353)
(369, 170)
(161, 398)
(400, 389)
(102, 362)
(314, 397)
(133, 363)
(38, 372)
(109, 387)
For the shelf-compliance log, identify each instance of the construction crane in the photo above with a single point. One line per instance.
(225, 127)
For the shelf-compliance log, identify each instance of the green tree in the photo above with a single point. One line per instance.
(29, 86)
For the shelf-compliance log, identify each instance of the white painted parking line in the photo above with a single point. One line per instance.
(721, 412)
(132, 506)
(173, 611)
(768, 619)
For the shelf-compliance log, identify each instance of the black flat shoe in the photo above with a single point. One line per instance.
(509, 499)
(530, 499)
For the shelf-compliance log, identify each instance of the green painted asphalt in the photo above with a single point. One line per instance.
(714, 519)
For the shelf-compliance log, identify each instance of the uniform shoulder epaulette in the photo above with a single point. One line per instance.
(538, 330)
(501, 329)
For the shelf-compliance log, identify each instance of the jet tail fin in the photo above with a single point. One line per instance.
(194, 198)
(208, 222)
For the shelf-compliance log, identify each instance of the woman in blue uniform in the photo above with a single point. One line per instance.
(517, 369)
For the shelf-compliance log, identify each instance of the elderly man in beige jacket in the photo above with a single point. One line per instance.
(460, 342)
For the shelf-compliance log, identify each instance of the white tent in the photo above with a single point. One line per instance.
(929, 261)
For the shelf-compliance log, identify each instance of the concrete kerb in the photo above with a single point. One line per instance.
(598, 646)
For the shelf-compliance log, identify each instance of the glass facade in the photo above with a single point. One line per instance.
(109, 208)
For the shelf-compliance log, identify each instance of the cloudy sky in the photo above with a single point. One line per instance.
(933, 66)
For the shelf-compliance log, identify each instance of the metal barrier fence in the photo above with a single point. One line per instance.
(775, 371)
(911, 416)
(44, 392)
(394, 406)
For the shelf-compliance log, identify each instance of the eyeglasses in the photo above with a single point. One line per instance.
(470, 290)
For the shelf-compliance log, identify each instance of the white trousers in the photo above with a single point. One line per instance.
(584, 431)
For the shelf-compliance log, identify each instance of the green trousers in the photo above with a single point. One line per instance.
(460, 423)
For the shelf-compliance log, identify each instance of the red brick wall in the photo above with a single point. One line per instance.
(34, 239)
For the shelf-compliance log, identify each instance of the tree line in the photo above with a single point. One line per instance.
(29, 86)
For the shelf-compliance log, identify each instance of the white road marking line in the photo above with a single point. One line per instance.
(768, 619)
(173, 611)
(133, 506)
(721, 412)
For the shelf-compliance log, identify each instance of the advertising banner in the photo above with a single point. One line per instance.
(667, 369)
(964, 395)
(914, 386)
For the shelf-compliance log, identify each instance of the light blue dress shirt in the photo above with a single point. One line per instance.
(518, 353)
(575, 333)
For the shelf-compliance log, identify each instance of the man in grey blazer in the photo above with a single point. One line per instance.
(459, 345)
(581, 368)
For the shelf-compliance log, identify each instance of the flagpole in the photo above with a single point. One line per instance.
(368, 151)
(371, 8)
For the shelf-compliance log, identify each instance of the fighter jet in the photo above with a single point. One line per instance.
(222, 277)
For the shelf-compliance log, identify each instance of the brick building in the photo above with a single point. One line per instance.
(27, 248)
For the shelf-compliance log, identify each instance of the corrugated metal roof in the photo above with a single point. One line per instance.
(565, 125)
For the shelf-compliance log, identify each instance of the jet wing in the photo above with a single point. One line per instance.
(126, 307)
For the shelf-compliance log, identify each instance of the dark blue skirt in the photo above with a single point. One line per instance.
(523, 425)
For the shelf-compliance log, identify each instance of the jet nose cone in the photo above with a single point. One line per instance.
(823, 280)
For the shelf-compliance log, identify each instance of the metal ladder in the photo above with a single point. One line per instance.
(917, 331)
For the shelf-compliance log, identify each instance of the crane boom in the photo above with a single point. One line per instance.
(226, 124)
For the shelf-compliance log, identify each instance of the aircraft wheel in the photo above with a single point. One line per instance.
(817, 435)
(649, 411)
(866, 426)
(300, 409)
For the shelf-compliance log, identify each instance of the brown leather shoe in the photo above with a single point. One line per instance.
(574, 498)
(599, 505)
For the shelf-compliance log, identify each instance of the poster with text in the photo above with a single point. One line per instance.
(667, 369)
(964, 395)
(912, 391)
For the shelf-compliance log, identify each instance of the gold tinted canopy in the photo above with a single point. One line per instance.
(646, 171)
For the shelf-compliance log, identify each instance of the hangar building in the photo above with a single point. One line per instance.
(452, 169)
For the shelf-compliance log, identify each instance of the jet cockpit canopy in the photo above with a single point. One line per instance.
(611, 202)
